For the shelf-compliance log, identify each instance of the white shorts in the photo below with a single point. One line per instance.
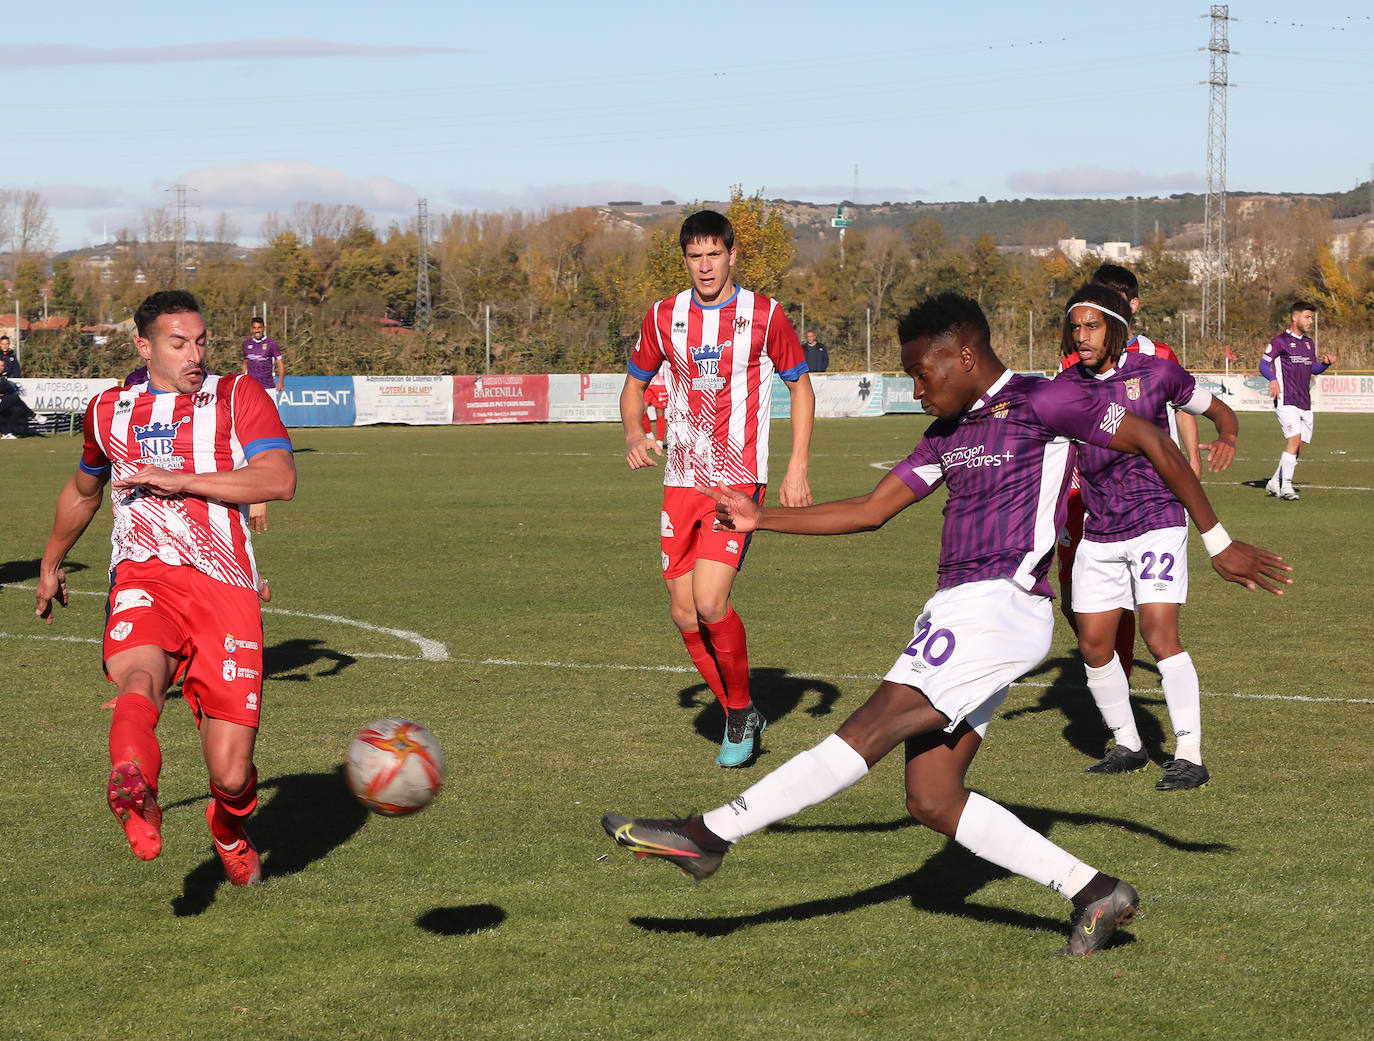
(1295, 421)
(972, 642)
(1148, 569)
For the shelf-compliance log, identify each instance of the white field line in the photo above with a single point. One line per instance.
(687, 670)
(430, 650)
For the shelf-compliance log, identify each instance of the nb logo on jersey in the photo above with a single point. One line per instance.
(707, 358)
(156, 439)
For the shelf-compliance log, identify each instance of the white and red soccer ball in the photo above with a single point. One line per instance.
(394, 767)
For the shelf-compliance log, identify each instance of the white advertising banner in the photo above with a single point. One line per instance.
(588, 397)
(416, 400)
(53, 395)
(1344, 393)
(840, 394)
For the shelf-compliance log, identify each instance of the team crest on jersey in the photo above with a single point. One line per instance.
(155, 439)
(741, 323)
(202, 399)
(707, 360)
(1133, 388)
(999, 410)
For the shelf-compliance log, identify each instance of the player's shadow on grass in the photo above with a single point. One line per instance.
(15, 571)
(1084, 730)
(776, 692)
(300, 660)
(300, 819)
(944, 884)
(461, 921)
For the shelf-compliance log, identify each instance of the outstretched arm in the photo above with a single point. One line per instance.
(1237, 562)
(77, 505)
(735, 511)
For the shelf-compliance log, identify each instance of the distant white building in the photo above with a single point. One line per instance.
(1117, 252)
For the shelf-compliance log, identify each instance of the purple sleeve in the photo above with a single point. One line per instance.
(921, 470)
(1066, 408)
(1271, 352)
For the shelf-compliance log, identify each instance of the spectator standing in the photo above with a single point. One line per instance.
(9, 361)
(817, 357)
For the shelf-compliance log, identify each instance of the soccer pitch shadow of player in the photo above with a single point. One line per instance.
(776, 692)
(943, 885)
(295, 660)
(1067, 694)
(300, 819)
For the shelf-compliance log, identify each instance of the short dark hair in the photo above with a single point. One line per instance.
(1118, 333)
(257, 321)
(164, 301)
(944, 315)
(707, 224)
(5, 337)
(1122, 279)
(1302, 305)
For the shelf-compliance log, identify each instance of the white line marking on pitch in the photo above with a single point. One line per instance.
(868, 676)
(430, 650)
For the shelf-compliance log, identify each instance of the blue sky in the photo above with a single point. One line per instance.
(258, 106)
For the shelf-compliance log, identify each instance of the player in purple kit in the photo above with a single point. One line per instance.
(1289, 363)
(1003, 445)
(263, 361)
(1134, 553)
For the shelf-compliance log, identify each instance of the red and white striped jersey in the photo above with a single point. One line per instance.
(219, 428)
(720, 365)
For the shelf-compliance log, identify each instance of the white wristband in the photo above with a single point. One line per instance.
(1215, 540)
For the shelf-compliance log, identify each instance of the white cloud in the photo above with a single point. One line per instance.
(82, 197)
(534, 197)
(280, 185)
(45, 55)
(1095, 180)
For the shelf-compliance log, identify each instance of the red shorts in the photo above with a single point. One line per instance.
(685, 534)
(1070, 537)
(213, 630)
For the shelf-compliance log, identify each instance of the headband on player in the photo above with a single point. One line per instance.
(1099, 307)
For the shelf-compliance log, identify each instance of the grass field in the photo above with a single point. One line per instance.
(500, 585)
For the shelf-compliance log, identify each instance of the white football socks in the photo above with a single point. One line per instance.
(1288, 462)
(804, 780)
(1111, 693)
(993, 832)
(1183, 696)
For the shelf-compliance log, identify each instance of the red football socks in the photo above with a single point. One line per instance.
(728, 647)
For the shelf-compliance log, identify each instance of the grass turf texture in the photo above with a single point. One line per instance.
(502, 911)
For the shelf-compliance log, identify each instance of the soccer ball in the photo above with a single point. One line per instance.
(394, 767)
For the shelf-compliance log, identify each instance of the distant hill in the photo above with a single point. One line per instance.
(1016, 222)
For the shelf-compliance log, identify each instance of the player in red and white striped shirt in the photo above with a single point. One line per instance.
(187, 453)
(718, 346)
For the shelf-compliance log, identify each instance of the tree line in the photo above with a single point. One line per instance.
(565, 290)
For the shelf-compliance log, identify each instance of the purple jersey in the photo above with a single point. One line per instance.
(260, 354)
(1123, 494)
(1007, 462)
(1292, 360)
